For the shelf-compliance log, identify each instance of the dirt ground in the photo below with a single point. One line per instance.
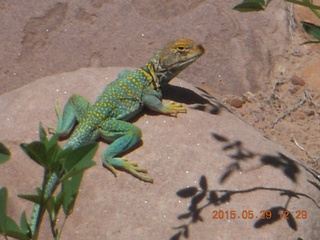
(288, 112)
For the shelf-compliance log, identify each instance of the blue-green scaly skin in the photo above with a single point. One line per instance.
(121, 100)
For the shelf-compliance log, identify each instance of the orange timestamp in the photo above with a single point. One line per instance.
(249, 214)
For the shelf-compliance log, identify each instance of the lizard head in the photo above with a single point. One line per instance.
(175, 57)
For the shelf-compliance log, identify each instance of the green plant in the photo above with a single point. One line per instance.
(260, 5)
(4, 153)
(66, 167)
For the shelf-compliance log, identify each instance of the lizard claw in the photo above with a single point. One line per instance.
(111, 169)
(173, 108)
(130, 167)
(136, 171)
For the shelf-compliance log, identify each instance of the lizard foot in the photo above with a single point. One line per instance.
(53, 130)
(57, 109)
(130, 167)
(173, 108)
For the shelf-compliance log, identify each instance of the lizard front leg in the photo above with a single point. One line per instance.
(124, 136)
(152, 100)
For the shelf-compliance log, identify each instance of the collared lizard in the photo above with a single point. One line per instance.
(123, 99)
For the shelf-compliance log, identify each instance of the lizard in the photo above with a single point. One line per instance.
(120, 101)
(123, 99)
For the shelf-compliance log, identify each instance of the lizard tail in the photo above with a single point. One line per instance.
(37, 211)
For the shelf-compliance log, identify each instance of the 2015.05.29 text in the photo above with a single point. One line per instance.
(249, 214)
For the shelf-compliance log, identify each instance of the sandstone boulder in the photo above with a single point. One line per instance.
(241, 173)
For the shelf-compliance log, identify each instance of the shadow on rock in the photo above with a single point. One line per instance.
(202, 197)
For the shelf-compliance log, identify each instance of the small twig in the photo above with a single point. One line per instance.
(308, 42)
(298, 145)
(292, 22)
(273, 93)
(291, 110)
(314, 104)
(314, 160)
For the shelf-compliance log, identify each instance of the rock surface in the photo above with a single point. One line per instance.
(61, 36)
(230, 153)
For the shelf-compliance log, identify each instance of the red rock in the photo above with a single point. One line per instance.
(61, 36)
(177, 152)
(296, 80)
(235, 102)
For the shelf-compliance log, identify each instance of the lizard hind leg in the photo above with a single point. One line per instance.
(74, 111)
(125, 136)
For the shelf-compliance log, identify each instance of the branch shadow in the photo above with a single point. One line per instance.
(239, 153)
(201, 197)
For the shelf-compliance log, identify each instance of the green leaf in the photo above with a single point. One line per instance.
(51, 209)
(54, 163)
(4, 153)
(76, 163)
(42, 134)
(14, 231)
(80, 159)
(8, 227)
(44, 139)
(36, 151)
(79, 168)
(54, 140)
(39, 191)
(312, 29)
(58, 200)
(3, 209)
(32, 198)
(70, 188)
(250, 6)
(25, 227)
(305, 3)
(57, 203)
(61, 157)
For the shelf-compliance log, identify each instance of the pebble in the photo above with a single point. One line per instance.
(295, 80)
(235, 102)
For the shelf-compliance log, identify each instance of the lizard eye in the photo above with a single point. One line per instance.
(181, 49)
